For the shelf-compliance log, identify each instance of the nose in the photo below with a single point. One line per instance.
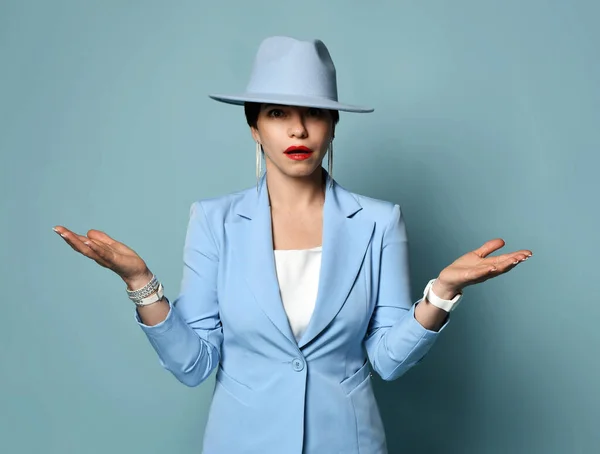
(297, 128)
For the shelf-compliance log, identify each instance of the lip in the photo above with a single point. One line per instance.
(296, 148)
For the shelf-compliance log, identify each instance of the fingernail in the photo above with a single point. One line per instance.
(61, 234)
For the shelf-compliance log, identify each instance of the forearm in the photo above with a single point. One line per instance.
(395, 349)
(180, 348)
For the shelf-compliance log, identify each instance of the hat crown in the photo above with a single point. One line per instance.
(288, 66)
(292, 72)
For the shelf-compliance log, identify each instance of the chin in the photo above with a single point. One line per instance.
(297, 169)
(300, 171)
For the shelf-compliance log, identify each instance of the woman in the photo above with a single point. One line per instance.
(292, 288)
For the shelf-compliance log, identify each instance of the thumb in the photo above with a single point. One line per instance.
(489, 246)
(98, 235)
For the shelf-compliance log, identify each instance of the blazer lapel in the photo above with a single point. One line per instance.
(345, 241)
(252, 238)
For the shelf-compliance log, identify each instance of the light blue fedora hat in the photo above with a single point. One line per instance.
(291, 72)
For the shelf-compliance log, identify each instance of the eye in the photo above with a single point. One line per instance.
(315, 112)
(275, 113)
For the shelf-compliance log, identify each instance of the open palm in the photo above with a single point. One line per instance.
(105, 251)
(475, 266)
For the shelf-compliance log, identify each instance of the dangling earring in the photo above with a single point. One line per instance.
(330, 163)
(258, 164)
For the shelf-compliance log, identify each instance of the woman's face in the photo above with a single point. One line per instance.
(294, 139)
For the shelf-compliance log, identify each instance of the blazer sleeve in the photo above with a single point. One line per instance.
(188, 341)
(395, 340)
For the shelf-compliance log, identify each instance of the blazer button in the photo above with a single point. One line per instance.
(297, 364)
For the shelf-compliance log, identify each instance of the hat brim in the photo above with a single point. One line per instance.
(289, 100)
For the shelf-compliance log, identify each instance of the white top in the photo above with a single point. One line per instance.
(298, 276)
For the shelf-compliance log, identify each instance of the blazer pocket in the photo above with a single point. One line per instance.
(238, 390)
(351, 383)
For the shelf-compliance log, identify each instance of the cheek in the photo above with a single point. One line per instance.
(326, 126)
(271, 131)
(324, 133)
(261, 135)
(268, 140)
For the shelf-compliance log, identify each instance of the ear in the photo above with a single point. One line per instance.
(255, 134)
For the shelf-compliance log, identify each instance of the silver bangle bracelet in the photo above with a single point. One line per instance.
(148, 289)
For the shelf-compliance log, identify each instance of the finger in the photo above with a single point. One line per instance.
(67, 235)
(519, 255)
(489, 270)
(65, 232)
(61, 230)
(111, 244)
(507, 264)
(101, 236)
(489, 246)
(104, 253)
(482, 273)
(76, 243)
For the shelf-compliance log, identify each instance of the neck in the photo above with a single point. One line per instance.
(295, 193)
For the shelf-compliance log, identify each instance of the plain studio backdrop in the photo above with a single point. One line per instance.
(485, 125)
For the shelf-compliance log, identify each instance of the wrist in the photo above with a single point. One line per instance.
(139, 281)
(444, 291)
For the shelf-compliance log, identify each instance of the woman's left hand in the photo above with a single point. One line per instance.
(475, 267)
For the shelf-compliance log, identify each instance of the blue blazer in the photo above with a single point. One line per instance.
(274, 394)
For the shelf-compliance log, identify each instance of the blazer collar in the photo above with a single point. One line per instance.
(345, 240)
(337, 199)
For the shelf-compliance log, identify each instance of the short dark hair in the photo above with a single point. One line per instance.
(252, 109)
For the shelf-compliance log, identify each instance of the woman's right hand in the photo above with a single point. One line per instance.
(110, 254)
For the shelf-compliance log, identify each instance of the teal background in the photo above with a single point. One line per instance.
(485, 125)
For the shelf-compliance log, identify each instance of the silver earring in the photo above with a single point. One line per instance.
(330, 163)
(258, 164)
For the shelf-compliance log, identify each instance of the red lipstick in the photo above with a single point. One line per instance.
(298, 148)
(298, 152)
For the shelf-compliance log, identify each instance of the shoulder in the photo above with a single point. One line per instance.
(220, 208)
(223, 208)
(387, 217)
(378, 210)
